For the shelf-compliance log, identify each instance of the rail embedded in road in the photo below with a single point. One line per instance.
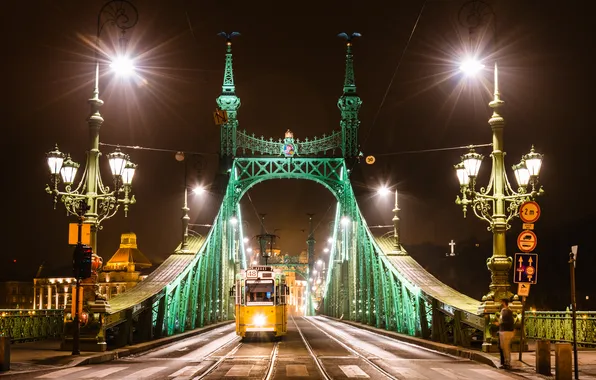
(311, 352)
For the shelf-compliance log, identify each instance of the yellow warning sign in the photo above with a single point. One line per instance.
(73, 233)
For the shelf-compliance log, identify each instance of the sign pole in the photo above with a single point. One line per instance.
(76, 335)
(76, 324)
(522, 333)
(572, 258)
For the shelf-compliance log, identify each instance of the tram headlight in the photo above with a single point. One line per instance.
(258, 320)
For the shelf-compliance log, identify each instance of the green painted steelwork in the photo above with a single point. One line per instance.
(556, 326)
(25, 325)
(370, 279)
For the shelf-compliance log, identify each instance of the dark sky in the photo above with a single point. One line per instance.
(289, 67)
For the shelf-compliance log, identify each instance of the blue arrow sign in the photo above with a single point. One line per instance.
(526, 268)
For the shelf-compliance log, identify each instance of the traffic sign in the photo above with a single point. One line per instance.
(370, 160)
(523, 289)
(529, 212)
(73, 233)
(527, 241)
(220, 117)
(528, 226)
(526, 268)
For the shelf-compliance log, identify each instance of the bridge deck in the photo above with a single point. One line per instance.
(428, 283)
(163, 275)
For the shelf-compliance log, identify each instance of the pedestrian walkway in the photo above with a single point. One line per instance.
(527, 366)
(43, 354)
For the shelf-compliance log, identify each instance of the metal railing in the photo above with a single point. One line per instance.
(26, 324)
(556, 326)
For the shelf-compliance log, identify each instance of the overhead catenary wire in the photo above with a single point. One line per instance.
(400, 60)
(432, 150)
(138, 147)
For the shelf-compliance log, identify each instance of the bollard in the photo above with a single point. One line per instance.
(543, 357)
(562, 361)
(4, 353)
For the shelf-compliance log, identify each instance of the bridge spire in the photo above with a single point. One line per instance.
(349, 103)
(228, 102)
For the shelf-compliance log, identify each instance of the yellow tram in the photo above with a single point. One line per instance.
(260, 296)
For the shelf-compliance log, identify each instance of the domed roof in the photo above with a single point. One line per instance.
(127, 254)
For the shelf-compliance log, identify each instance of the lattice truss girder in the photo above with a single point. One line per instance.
(198, 296)
(363, 285)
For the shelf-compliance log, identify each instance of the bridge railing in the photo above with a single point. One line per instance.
(26, 324)
(557, 326)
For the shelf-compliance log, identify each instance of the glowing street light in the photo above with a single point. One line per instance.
(471, 66)
(198, 190)
(383, 191)
(123, 66)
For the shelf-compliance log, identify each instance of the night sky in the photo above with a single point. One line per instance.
(289, 68)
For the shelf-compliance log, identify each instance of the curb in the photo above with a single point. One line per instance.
(128, 351)
(428, 344)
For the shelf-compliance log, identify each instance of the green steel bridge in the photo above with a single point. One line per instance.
(370, 279)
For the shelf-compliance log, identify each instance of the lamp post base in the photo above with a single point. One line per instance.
(491, 309)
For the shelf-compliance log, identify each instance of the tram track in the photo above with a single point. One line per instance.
(317, 361)
(215, 365)
(345, 346)
(268, 375)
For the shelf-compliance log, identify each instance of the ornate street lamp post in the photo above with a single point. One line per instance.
(90, 200)
(497, 204)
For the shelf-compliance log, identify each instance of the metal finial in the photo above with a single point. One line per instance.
(496, 102)
(228, 36)
(497, 94)
(350, 37)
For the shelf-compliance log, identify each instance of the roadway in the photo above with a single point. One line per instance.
(314, 348)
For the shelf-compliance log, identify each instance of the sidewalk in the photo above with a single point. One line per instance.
(46, 354)
(525, 368)
(586, 362)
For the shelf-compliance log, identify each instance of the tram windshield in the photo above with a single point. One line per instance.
(259, 292)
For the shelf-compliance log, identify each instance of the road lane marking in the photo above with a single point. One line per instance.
(353, 371)
(449, 373)
(187, 372)
(103, 372)
(62, 373)
(296, 370)
(144, 373)
(409, 373)
(239, 370)
(492, 374)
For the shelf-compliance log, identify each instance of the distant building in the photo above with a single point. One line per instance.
(127, 267)
(52, 288)
(16, 295)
